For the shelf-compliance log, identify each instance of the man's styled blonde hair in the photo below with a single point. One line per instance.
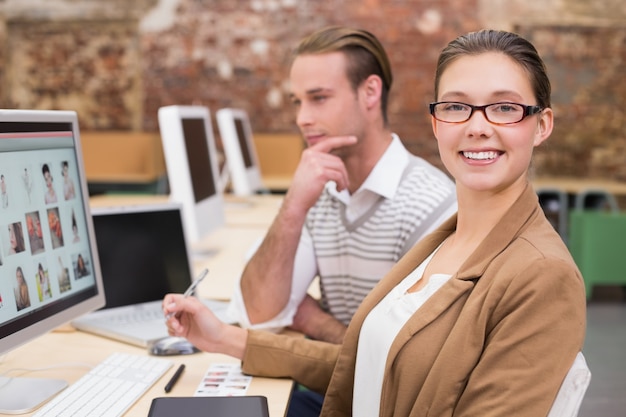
(365, 54)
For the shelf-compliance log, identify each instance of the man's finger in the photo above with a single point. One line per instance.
(334, 142)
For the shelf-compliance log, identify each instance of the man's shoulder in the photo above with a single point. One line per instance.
(326, 198)
(419, 171)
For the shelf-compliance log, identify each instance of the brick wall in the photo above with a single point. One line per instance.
(92, 68)
(586, 66)
(116, 62)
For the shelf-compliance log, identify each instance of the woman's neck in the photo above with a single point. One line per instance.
(480, 211)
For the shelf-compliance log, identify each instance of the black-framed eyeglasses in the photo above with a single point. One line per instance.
(503, 113)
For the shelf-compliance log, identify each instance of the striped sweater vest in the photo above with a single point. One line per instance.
(353, 257)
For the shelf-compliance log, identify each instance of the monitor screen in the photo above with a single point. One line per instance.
(198, 154)
(48, 258)
(143, 252)
(241, 158)
(243, 142)
(192, 167)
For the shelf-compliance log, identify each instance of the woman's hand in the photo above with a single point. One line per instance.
(190, 318)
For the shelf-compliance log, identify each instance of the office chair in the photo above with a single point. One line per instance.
(570, 395)
(555, 205)
(596, 199)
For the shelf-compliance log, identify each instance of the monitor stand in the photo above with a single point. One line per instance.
(22, 395)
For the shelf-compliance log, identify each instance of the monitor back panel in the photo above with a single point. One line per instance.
(192, 167)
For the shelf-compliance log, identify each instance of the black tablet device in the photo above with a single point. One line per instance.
(242, 406)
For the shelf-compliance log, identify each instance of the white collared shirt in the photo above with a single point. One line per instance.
(380, 328)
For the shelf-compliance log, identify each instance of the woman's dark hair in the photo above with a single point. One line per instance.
(510, 44)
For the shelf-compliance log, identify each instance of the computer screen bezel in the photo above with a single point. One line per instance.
(204, 216)
(53, 315)
(245, 180)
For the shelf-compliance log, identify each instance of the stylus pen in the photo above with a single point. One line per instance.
(191, 289)
(170, 384)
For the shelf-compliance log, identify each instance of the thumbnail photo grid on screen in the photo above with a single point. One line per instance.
(44, 254)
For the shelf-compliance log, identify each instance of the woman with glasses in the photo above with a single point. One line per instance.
(483, 317)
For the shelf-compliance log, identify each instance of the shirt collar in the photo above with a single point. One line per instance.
(385, 176)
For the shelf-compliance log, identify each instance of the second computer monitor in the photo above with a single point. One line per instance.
(192, 167)
(241, 157)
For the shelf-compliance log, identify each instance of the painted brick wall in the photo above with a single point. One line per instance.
(233, 54)
(116, 62)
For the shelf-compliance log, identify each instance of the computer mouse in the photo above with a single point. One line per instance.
(171, 345)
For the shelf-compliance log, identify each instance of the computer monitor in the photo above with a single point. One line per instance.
(48, 258)
(192, 167)
(143, 252)
(241, 157)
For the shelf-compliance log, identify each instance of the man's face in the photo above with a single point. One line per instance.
(326, 104)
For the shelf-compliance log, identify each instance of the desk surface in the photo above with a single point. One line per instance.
(277, 183)
(224, 252)
(253, 211)
(72, 353)
(576, 185)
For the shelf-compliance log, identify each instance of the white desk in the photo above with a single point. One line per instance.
(71, 353)
(576, 185)
(224, 253)
(256, 211)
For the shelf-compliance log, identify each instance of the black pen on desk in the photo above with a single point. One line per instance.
(191, 288)
(170, 384)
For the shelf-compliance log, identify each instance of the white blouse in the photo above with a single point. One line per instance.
(379, 330)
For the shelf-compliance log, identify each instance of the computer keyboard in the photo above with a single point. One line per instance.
(108, 389)
(152, 312)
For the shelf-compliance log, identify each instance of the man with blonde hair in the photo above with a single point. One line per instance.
(358, 200)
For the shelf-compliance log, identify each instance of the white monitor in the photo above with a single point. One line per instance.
(48, 257)
(192, 167)
(241, 157)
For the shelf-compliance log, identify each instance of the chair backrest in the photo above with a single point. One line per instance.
(555, 205)
(570, 395)
(596, 199)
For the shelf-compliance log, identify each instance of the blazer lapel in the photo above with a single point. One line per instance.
(511, 225)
